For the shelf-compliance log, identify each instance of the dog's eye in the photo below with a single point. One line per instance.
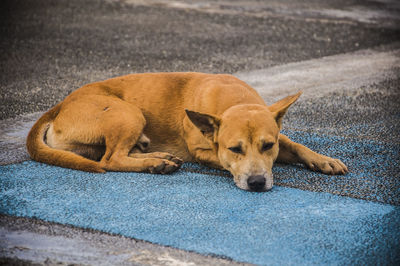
(267, 146)
(236, 149)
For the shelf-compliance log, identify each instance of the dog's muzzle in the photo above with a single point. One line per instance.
(257, 183)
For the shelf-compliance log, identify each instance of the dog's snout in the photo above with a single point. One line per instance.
(256, 183)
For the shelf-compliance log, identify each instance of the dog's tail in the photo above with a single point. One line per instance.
(41, 152)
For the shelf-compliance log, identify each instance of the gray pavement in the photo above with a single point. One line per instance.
(49, 48)
(344, 55)
(32, 240)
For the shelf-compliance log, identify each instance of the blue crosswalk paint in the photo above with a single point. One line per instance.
(208, 214)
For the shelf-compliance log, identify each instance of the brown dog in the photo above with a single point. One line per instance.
(217, 120)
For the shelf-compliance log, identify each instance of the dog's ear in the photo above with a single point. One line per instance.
(279, 108)
(207, 124)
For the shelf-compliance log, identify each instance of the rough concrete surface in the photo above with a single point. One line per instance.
(344, 55)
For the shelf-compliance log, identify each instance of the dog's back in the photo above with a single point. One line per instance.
(163, 98)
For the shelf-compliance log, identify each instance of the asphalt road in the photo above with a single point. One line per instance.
(49, 48)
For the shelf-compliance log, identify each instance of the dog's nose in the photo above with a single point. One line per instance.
(256, 183)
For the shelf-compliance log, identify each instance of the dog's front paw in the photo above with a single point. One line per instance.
(327, 165)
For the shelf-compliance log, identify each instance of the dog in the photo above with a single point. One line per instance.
(153, 122)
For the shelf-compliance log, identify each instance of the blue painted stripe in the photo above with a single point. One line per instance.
(373, 165)
(208, 214)
(374, 168)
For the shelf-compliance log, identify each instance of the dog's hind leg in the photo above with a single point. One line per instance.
(292, 152)
(110, 123)
(124, 130)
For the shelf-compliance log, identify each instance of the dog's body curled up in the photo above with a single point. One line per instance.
(154, 121)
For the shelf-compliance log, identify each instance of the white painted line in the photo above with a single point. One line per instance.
(386, 15)
(13, 133)
(317, 77)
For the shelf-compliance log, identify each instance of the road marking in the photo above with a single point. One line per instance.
(317, 77)
(387, 15)
(13, 132)
(206, 214)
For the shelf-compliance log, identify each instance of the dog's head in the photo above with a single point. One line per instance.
(247, 140)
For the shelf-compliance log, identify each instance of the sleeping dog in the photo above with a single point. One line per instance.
(153, 122)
